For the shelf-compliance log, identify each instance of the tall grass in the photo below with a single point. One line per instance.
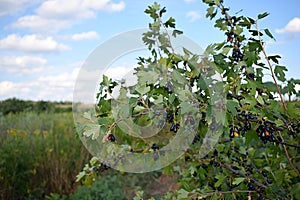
(39, 154)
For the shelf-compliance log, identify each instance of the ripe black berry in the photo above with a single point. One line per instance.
(111, 138)
(154, 147)
(250, 76)
(196, 139)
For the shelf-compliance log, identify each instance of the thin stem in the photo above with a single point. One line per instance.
(270, 67)
(196, 194)
(169, 38)
(288, 157)
(245, 176)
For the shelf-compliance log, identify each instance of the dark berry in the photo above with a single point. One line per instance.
(140, 103)
(250, 76)
(154, 147)
(264, 173)
(155, 156)
(215, 152)
(203, 116)
(111, 138)
(196, 139)
(247, 125)
(251, 186)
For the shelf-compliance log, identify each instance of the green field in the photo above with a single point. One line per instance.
(41, 154)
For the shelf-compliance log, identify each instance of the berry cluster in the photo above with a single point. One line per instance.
(293, 129)
(247, 117)
(174, 127)
(237, 54)
(265, 132)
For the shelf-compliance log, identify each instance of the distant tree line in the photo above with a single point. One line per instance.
(14, 105)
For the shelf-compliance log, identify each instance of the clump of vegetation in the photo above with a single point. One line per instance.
(257, 153)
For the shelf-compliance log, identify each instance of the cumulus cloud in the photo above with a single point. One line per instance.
(293, 26)
(22, 65)
(9, 7)
(58, 14)
(31, 43)
(193, 15)
(50, 87)
(90, 35)
(38, 23)
(6, 87)
(113, 7)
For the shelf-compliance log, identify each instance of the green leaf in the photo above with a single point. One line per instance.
(232, 105)
(263, 15)
(177, 77)
(237, 181)
(279, 122)
(176, 32)
(268, 33)
(80, 176)
(138, 109)
(260, 100)
(92, 130)
(88, 115)
(149, 77)
(274, 58)
(279, 72)
(220, 181)
(142, 89)
(170, 22)
(250, 58)
(182, 194)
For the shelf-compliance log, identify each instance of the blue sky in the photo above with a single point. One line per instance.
(44, 43)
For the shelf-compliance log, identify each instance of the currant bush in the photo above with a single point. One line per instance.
(257, 154)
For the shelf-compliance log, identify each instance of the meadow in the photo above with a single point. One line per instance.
(41, 154)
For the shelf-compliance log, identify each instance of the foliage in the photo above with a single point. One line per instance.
(14, 105)
(257, 155)
(39, 154)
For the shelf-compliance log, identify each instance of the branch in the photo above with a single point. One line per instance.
(169, 38)
(288, 157)
(245, 176)
(199, 195)
(270, 67)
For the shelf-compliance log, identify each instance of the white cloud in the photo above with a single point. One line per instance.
(10, 7)
(60, 86)
(38, 23)
(293, 26)
(6, 87)
(116, 6)
(90, 35)
(193, 15)
(31, 43)
(22, 65)
(53, 15)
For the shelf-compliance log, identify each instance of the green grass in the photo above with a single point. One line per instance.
(39, 154)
